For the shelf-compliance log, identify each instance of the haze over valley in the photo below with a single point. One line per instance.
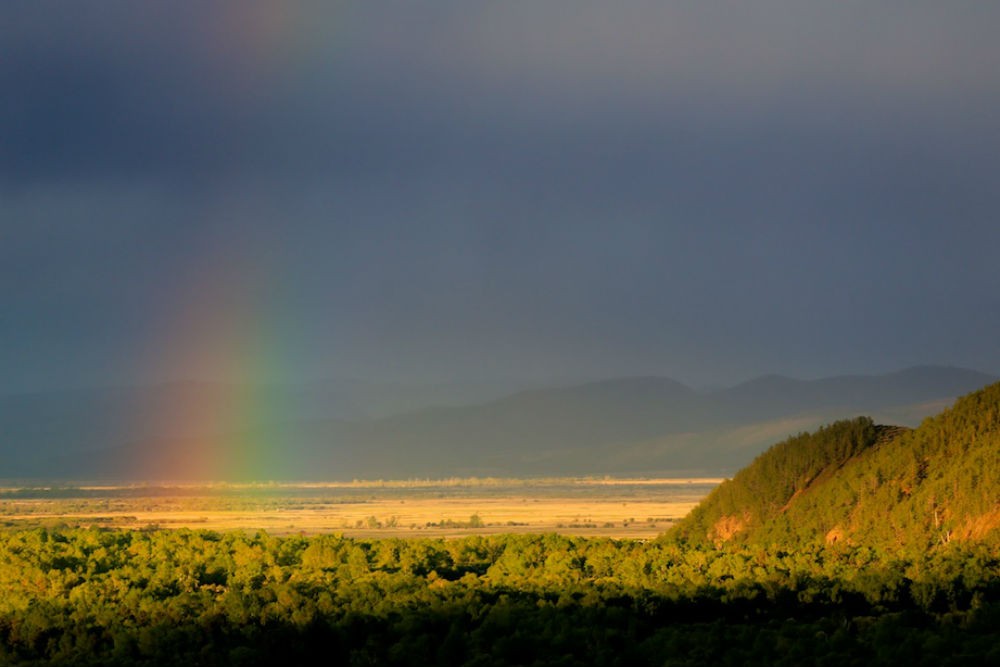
(647, 426)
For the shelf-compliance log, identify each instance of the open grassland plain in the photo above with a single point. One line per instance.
(620, 508)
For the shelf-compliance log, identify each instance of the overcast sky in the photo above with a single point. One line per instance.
(474, 190)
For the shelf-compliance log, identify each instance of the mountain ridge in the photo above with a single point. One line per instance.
(615, 426)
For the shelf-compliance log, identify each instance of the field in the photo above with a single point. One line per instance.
(621, 508)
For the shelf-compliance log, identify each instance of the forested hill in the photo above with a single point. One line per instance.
(854, 482)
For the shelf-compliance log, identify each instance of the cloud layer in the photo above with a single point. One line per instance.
(534, 189)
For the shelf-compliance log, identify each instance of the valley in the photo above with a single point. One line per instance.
(606, 507)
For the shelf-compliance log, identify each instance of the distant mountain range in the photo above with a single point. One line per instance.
(636, 426)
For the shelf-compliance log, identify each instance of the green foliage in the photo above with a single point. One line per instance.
(938, 483)
(760, 492)
(849, 484)
(183, 597)
(913, 578)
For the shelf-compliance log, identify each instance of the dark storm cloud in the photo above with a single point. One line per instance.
(710, 190)
(187, 87)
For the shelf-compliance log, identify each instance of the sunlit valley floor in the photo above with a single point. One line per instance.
(621, 508)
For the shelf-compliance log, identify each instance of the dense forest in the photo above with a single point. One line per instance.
(860, 483)
(855, 545)
(200, 598)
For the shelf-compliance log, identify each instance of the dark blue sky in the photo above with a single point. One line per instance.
(456, 191)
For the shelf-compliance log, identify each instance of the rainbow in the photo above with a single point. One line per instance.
(222, 334)
(224, 324)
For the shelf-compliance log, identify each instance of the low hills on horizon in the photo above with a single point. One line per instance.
(858, 483)
(627, 426)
